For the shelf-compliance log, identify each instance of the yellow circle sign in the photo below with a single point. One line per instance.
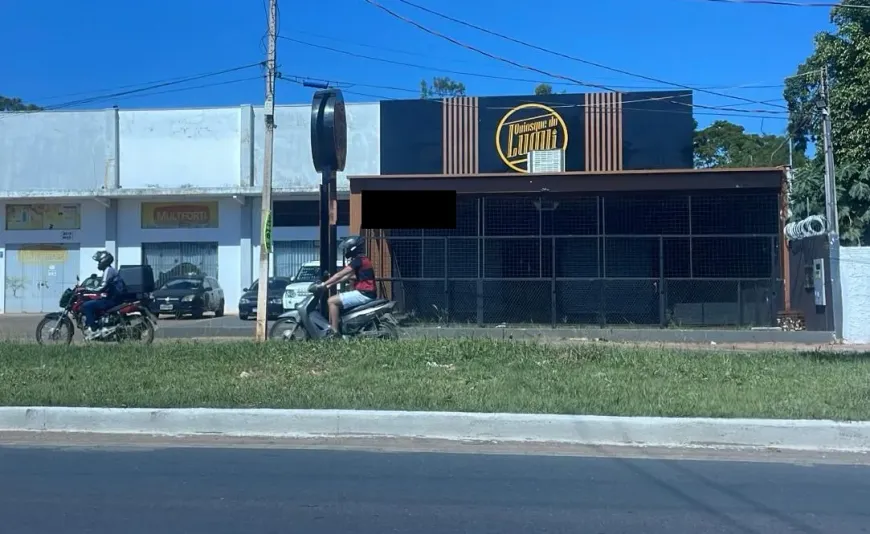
(528, 128)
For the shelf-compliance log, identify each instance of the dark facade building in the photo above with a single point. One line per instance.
(626, 233)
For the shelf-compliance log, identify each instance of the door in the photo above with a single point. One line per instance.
(37, 275)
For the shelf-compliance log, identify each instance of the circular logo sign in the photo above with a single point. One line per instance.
(528, 128)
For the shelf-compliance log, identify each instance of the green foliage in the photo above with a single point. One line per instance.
(544, 89)
(441, 87)
(845, 53)
(725, 144)
(16, 104)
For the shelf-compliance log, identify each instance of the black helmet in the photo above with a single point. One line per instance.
(353, 246)
(103, 259)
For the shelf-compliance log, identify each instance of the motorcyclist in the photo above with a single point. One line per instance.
(112, 288)
(364, 287)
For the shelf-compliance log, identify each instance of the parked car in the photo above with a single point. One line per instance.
(296, 290)
(248, 302)
(189, 295)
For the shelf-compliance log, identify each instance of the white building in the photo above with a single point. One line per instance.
(163, 187)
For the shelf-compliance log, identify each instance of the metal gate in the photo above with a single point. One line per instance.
(290, 255)
(37, 275)
(170, 260)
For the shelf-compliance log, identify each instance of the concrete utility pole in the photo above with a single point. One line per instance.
(831, 213)
(266, 198)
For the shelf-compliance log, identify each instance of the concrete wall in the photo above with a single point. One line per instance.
(293, 168)
(70, 150)
(855, 278)
(180, 148)
(101, 150)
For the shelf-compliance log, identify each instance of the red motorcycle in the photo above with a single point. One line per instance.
(129, 321)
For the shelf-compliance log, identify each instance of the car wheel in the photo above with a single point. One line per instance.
(219, 312)
(243, 317)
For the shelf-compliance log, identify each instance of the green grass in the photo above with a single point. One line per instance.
(451, 375)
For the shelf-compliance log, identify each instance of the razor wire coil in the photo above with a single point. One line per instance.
(812, 226)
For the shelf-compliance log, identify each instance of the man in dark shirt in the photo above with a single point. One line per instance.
(361, 269)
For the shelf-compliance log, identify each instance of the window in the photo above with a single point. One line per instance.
(298, 213)
(43, 217)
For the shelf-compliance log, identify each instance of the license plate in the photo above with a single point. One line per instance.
(254, 310)
(166, 307)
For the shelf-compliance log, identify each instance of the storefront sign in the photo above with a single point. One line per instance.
(527, 128)
(43, 217)
(181, 215)
(43, 254)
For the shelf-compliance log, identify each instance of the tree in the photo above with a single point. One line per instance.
(543, 89)
(16, 104)
(725, 144)
(843, 52)
(442, 87)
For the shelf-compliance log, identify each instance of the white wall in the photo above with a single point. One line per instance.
(90, 238)
(228, 235)
(68, 150)
(293, 168)
(180, 148)
(855, 279)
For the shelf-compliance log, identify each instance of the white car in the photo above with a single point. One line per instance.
(296, 290)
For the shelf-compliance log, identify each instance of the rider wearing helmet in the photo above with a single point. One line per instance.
(364, 289)
(112, 287)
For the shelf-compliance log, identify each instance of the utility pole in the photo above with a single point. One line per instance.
(266, 198)
(831, 213)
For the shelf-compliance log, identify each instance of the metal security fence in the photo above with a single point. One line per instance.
(171, 260)
(518, 265)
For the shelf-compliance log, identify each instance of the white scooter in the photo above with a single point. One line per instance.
(372, 320)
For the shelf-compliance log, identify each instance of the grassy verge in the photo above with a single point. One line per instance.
(453, 375)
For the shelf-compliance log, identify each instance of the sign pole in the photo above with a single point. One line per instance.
(329, 154)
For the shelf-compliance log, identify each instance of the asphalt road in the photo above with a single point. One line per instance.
(230, 490)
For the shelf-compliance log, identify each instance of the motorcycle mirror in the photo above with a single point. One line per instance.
(77, 278)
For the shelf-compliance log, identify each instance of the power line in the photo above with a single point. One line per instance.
(442, 70)
(346, 87)
(141, 90)
(179, 79)
(539, 48)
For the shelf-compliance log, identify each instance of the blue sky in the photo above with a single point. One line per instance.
(57, 48)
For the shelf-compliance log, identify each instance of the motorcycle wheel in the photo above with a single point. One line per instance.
(287, 330)
(63, 334)
(387, 330)
(141, 333)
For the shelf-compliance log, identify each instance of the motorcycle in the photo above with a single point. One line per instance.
(372, 320)
(130, 320)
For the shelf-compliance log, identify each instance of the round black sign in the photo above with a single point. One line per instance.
(328, 131)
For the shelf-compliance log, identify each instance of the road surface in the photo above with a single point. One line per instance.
(272, 489)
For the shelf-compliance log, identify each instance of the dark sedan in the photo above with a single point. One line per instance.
(189, 295)
(248, 302)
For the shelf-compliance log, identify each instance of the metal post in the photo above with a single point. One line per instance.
(553, 307)
(266, 198)
(663, 305)
(326, 268)
(831, 212)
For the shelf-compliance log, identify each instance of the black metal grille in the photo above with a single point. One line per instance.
(645, 259)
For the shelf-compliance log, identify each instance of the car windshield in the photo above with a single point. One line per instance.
(275, 284)
(307, 273)
(183, 283)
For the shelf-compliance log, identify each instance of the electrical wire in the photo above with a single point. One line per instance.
(347, 87)
(118, 95)
(539, 48)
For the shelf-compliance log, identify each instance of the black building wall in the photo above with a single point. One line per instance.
(599, 131)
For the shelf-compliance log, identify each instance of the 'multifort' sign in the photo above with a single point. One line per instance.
(528, 128)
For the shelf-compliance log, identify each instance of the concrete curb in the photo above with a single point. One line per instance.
(570, 429)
